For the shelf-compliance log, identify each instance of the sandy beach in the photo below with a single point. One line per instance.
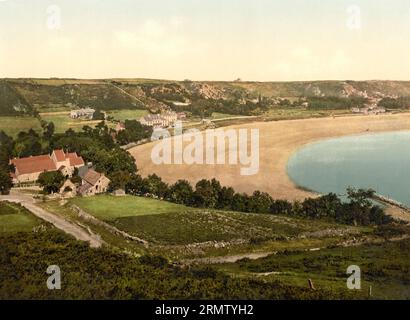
(278, 141)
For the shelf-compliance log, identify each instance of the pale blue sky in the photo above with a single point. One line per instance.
(206, 40)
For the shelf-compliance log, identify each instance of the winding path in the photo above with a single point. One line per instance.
(76, 231)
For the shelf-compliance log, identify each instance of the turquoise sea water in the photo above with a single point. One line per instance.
(377, 161)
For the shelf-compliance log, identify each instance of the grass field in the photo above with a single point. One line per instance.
(108, 207)
(63, 122)
(122, 115)
(13, 125)
(300, 113)
(14, 218)
(167, 223)
(218, 115)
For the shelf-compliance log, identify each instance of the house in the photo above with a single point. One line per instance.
(86, 113)
(162, 120)
(120, 127)
(68, 189)
(169, 116)
(29, 169)
(181, 115)
(93, 182)
(154, 120)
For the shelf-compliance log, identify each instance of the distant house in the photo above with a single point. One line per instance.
(86, 113)
(181, 115)
(29, 169)
(154, 120)
(93, 182)
(378, 110)
(120, 127)
(162, 120)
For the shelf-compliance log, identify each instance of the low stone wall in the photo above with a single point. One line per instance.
(82, 214)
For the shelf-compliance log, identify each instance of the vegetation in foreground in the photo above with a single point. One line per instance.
(111, 274)
(384, 266)
(14, 218)
(101, 274)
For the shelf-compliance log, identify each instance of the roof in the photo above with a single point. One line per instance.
(83, 188)
(34, 164)
(45, 162)
(75, 160)
(92, 176)
(60, 156)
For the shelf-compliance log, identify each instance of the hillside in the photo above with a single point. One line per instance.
(11, 103)
(245, 98)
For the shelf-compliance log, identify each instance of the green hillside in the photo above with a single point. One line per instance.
(11, 102)
(200, 98)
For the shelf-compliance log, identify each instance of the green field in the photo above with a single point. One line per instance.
(167, 223)
(14, 218)
(122, 115)
(300, 113)
(108, 207)
(63, 122)
(13, 125)
(218, 115)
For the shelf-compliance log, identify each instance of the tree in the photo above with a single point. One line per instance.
(48, 130)
(281, 207)
(181, 192)
(5, 181)
(225, 198)
(154, 185)
(240, 202)
(98, 115)
(205, 195)
(51, 182)
(135, 185)
(259, 202)
(119, 179)
(133, 132)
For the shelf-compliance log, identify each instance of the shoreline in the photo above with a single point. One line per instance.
(279, 140)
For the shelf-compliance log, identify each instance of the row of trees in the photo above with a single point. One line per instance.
(329, 103)
(210, 194)
(392, 103)
(6, 146)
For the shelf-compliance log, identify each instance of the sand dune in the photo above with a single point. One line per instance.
(278, 141)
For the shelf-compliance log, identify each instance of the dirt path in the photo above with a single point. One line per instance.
(60, 223)
(258, 255)
(127, 93)
(228, 259)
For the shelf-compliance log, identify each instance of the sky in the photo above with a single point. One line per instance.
(258, 40)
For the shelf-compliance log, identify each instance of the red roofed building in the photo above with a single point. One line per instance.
(28, 169)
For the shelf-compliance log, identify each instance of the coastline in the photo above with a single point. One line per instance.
(279, 140)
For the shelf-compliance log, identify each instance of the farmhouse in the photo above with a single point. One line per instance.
(29, 169)
(86, 113)
(93, 182)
